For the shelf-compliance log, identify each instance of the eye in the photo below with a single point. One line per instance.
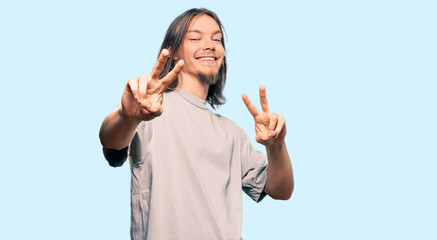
(217, 40)
(194, 39)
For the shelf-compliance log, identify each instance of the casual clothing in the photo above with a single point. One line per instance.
(188, 169)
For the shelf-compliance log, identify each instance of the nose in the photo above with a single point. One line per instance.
(208, 45)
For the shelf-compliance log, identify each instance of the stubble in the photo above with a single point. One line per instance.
(208, 79)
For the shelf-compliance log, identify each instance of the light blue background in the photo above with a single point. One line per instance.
(355, 80)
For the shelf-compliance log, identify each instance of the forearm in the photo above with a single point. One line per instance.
(280, 181)
(117, 131)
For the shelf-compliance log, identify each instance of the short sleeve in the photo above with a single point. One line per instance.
(140, 142)
(253, 169)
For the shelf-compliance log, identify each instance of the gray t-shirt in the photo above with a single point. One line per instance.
(188, 169)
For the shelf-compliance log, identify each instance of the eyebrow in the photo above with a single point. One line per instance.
(198, 31)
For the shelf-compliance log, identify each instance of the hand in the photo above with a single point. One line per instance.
(269, 127)
(142, 97)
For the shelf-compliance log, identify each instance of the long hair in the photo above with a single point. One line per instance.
(173, 40)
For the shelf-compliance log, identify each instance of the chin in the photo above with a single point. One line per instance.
(208, 79)
(209, 71)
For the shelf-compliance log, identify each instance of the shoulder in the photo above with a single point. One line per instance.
(169, 94)
(230, 125)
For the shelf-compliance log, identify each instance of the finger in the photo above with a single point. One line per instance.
(155, 108)
(133, 87)
(252, 109)
(259, 127)
(145, 104)
(263, 138)
(159, 65)
(263, 99)
(171, 76)
(142, 88)
(280, 126)
(273, 121)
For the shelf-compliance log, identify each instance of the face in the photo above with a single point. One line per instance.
(202, 49)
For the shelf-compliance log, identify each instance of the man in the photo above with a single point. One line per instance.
(188, 164)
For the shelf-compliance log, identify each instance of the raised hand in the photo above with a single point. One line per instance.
(143, 96)
(269, 127)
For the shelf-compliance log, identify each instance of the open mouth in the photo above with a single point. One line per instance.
(208, 58)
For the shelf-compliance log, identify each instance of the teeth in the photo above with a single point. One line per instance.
(206, 59)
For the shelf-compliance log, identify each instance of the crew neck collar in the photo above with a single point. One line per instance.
(200, 103)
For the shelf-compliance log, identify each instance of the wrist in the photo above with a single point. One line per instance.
(130, 120)
(276, 146)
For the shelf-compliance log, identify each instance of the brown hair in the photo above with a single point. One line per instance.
(173, 40)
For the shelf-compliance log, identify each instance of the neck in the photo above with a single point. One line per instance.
(193, 85)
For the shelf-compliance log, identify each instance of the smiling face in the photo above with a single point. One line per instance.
(202, 49)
